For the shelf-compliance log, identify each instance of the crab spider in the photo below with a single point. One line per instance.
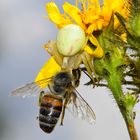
(71, 62)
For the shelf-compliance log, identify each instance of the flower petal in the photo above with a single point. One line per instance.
(93, 40)
(95, 3)
(55, 15)
(51, 7)
(91, 28)
(124, 37)
(98, 52)
(90, 15)
(89, 50)
(49, 69)
(112, 6)
(74, 13)
(100, 24)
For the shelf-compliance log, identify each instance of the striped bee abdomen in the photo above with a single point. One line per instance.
(50, 110)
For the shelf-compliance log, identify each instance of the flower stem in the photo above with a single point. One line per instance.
(114, 84)
(131, 129)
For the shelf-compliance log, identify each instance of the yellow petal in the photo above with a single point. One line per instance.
(51, 7)
(106, 13)
(90, 16)
(120, 6)
(91, 28)
(99, 24)
(95, 3)
(98, 52)
(89, 50)
(74, 13)
(49, 69)
(93, 40)
(124, 37)
(55, 15)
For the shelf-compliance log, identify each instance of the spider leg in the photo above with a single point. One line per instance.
(87, 61)
(72, 62)
(51, 48)
(46, 47)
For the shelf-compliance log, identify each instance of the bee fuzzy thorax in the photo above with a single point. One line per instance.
(60, 83)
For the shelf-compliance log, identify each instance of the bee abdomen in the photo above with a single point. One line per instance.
(50, 111)
(47, 123)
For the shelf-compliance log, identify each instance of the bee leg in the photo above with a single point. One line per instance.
(62, 117)
(63, 111)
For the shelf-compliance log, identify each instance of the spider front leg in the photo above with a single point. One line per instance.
(88, 62)
(51, 48)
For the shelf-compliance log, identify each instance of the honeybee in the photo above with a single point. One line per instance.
(60, 94)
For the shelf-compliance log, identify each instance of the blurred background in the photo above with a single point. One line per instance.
(23, 31)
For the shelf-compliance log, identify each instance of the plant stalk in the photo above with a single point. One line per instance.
(131, 129)
(114, 83)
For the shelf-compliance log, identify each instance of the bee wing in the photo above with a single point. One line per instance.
(80, 108)
(30, 89)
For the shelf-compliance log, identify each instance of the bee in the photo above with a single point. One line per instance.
(60, 94)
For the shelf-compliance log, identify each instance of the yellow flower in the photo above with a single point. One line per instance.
(91, 17)
(55, 16)
(110, 6)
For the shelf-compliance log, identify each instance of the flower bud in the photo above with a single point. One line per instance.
(70, 39)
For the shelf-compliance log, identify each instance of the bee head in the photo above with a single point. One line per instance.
(62, 79)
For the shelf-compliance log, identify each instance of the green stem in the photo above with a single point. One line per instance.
(114, 84)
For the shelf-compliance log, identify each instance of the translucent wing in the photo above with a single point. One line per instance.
(30, 89)
(80, 108)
